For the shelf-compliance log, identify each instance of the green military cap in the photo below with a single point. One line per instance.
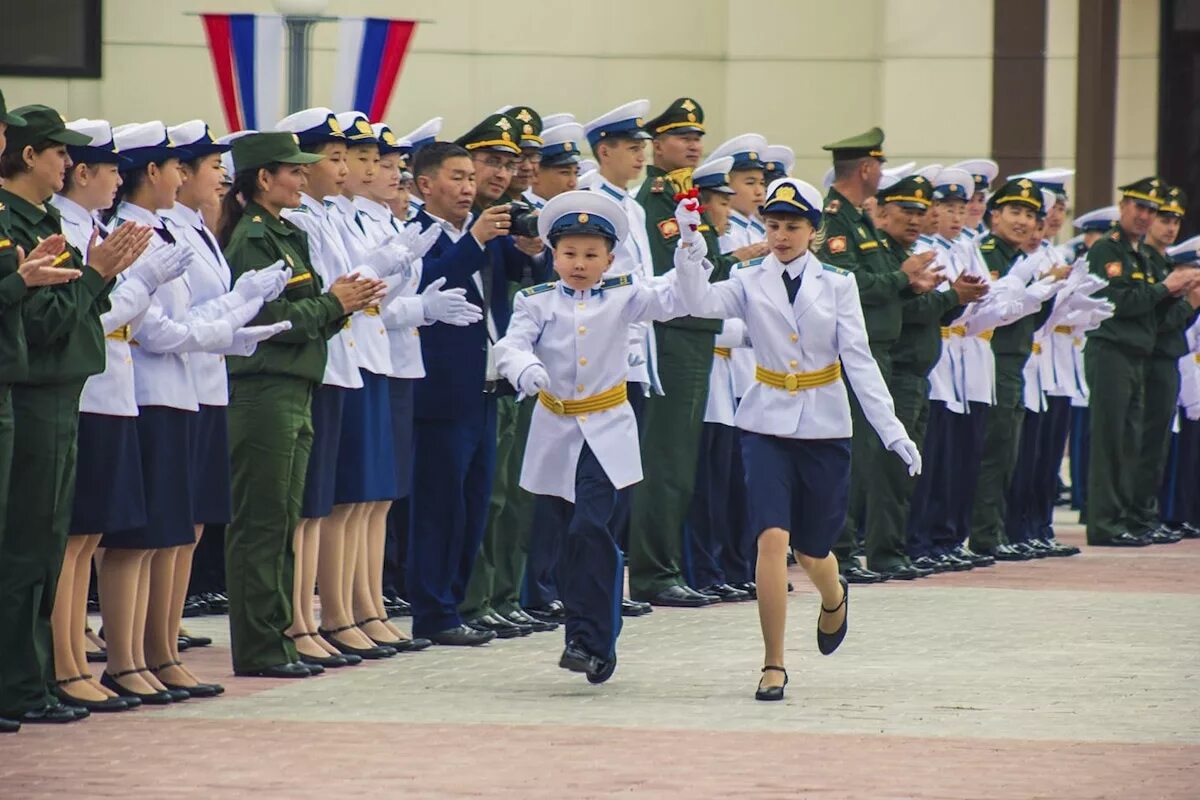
(684, 115)
(914, 191)
(43, 124)
(1146, 192)
(864, 145)
(1019, 190)
(13, 120)
(498, 132)
(531, 126)
(277, 147)
(1174, 203)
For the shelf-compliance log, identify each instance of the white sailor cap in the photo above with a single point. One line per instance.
(587, 179)
(313, 126)
(627, 121)
(1186, 252)
(196, 137)
(101, 150)
(930, 172)
(1049, 198)
(560, 144)
(388, 143)
(893, 175)
(793, 196)
(953, 183)
(357, 128)
(778, 160)
(1053, 178)
(227, 158)
(425, 133)
(827, 179)
(746, 150)
(983, 170)
(552, 120)
(582, 213)
(713, 174)
(143, 143)
(587, 165)
(1100, 219)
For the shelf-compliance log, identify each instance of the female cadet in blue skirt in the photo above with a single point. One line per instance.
(270, 420)
(162, 341)
(806, 323)
(65, 345)
(109, 495)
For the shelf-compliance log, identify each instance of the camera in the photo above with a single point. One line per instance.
(523, 219)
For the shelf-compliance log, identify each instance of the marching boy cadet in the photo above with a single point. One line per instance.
(805, 319)
(583, 439)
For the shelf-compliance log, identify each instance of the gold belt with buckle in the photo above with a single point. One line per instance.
(1067, 329)
(586, 405)
(795, 381)
(121, 334)
(723, 352)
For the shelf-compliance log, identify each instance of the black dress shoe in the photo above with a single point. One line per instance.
(712, 598)
(856, 574)
(9, 725)
(372, 653)
(905, 572)
(1029, 549)
(1056, 549)
(955, 564)
(108, 704)
(109, 681)
(597, 669)
(828, 642)
(502, 628)
(47, 715)
(551, 612)
(977, 559)
(1162, 535)
(333, 662)
(1122, 539)
(412, 645)
(681, 597)
(1189, 531)
(289, 670)
(313, 669)
(194, 607)
(461, 636)
(727, 593)
(632, 608)
(199, 690)
(925, 562)
(1005, 552)
(195, 641)
(770, 693)
(217, 603)
(518, 617)
(749, 587)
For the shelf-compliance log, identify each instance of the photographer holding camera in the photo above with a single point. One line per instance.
(455, 405)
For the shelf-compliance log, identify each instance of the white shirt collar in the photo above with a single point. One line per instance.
(534, 200)
(798, 265)
(72, 211)
(184, 214)
(135, 213)
(372, 208)
(612, 187)
(314, 206)
(454, 233)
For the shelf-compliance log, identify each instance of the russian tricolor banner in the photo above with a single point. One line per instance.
(369, 56)
(247, 54)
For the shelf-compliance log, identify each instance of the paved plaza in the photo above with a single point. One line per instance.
(1060, 678)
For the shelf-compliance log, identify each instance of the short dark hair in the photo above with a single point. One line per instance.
(845, 167)
(12, 161)
(429, 159)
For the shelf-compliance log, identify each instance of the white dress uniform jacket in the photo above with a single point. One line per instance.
(947, 378)
(823, 325)
(742, 231)
(372, 347)
(576, 337)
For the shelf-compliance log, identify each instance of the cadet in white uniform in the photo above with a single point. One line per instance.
(583, 439)
(806, 323)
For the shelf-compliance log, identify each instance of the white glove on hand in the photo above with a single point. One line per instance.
(259, 283)
(907, 450)
(1192, 412)
(239, 316)
(450, 306)
(162, 266)
(420, 242)
(687, 217)
(1089, 285)
(245, 340)
(533, 379)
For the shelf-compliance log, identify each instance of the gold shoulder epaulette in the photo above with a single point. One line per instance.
(539, 288)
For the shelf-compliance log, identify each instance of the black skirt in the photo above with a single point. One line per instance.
(109, 495)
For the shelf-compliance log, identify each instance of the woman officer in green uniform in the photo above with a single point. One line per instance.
(270, 424)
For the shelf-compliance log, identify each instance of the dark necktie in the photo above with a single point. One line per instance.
(792, 285)
(101, 234)
(203, 234)
(165, 234)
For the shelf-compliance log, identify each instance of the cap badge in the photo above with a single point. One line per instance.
(524, 115)
(785, 193)
(335, 127)
(640, 122)
(503, 124)
(582, 218)
(504, 136)
(362, 126)
(753, 156)
(296, 139)
(687, 105)
(568, 146)
(920, 193)
(1025, 183)
(527, 129)
(691, 117)
(389, 137)
(954, 187)
(1024, 193)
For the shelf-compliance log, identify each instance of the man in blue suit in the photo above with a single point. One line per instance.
(455, 406)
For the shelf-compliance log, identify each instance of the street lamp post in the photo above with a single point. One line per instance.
(299, 17)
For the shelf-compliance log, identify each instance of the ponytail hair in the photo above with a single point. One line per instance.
(243, 190)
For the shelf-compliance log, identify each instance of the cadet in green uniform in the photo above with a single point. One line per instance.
(673, 421)
(1117, 359)
(270, 394)
(65, 345)
(848, 239)
(1014, 210)
(1162, 372)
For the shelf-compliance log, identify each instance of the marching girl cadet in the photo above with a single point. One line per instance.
(564, 344)
(65, 344)
(162, 340)
(17, 276)
(110, 495)
(807, 326)
(270, 418)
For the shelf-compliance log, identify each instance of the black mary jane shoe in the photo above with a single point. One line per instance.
(369, 653)
(828, 642)
(331, 662)
(109, 681)
(108, 704)
(197, 690)
(769, 693)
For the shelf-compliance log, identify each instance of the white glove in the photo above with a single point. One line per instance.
(259, 283)
(391, 257)
(245, 340)
(689, 222)
(163, 265)
(450, 306)
(418, 241)
(1192, 412)
(239, 316)
(907, 450)
(1089, 285)
(691, 257)
(533, 379)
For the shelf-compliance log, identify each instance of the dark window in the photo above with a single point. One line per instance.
(50, 38)
(1179, 104)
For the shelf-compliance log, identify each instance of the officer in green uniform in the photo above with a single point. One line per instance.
(1162, 371)
(270, 394)
(1014, 210)
(65, 345)
(673, 421)
(848, 239)
(1118, 358)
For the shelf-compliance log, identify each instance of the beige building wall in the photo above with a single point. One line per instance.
(801, 72)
